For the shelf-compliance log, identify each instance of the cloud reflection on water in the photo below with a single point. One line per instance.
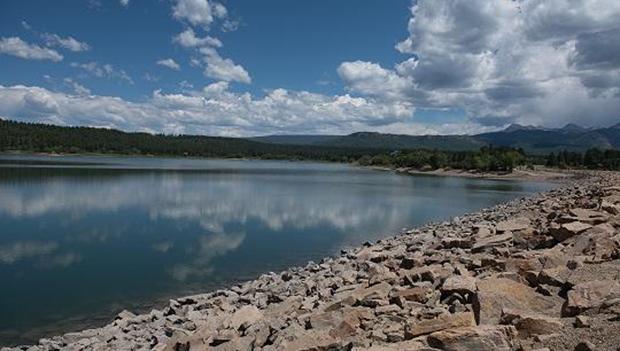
(208, 247)
(370, 203)
(21, 250)
(210, 203)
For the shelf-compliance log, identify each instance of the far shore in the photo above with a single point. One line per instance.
(538, 173)
(541, 174)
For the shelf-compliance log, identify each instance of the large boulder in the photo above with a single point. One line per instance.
(312, 340)
(244, 317)
(407, 345)
(419, 294)
(480, 338)
(512, 225)
(598, 243)
(237, 344)
(363, 293)
(459, 284)
(444, 321)
(589, 216)
(496, 294)
(523, 265)
(491, 241)
(530, 323)
(434, 273)
(564, 231)
(339, 323)
(590, 295)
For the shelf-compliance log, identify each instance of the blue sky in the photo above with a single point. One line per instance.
(286, 67)
(274, 39)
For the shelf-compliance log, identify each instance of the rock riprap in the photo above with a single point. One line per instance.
(538, 273)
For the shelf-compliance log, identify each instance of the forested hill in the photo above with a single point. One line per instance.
(17, 136)
(30, 137)
(381, 141)
(48, 138)
(533, 140)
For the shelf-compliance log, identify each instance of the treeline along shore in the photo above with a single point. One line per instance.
(42, 138)
(537, 273)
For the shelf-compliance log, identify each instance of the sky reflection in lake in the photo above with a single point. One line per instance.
(83, 237)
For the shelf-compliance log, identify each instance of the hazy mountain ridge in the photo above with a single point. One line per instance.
(533, 139)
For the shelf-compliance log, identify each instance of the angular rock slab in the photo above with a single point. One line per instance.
(314, 340)
(529, 324)
(589, 216)
(244, 316)
(459, 284)
(568, 230)
(496, 294)
(492, 241)
(480, 338)
(511, 225)
(445, 321)
(590, 295)
(409, 345)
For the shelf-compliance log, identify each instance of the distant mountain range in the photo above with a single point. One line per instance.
(532, 139)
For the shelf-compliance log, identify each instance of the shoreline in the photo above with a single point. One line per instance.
(536, 174)
(434, 285)
(149, 156)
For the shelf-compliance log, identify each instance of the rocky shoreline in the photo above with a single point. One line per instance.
(539, 273)
(537, 173)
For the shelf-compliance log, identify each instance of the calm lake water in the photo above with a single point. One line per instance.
(82, 238)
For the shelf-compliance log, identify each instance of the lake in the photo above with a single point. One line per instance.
(82, 238)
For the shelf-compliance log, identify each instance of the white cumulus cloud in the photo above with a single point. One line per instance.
(214, 110)
(103, 71)
(365, 77)
(68, 43)
(170, 63)
(17, 47)
(543, 62)
(203, 13)
(188, 39)
(221, 68)
(198, 12)
(76, 87)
